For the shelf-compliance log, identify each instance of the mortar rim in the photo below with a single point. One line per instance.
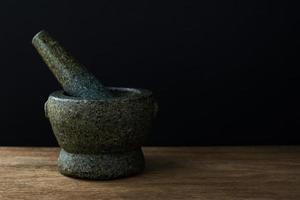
(136, 93)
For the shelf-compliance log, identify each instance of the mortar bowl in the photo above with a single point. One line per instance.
(101, 139)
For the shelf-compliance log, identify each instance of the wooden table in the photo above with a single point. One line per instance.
(215, 173)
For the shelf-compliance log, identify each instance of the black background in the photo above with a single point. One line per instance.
(223, 72)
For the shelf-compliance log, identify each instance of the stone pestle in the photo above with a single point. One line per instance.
(73, 77)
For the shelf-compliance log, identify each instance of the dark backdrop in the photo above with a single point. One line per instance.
(223, 72)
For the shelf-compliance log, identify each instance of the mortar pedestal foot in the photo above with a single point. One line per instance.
(102, 166)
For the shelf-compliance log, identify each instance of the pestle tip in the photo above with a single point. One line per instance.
(39, 35)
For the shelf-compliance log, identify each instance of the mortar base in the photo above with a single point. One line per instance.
(103, 166)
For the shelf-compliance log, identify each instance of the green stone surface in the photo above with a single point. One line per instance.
(73, 77)
(101, 139)
(102, 166)
(100, 130)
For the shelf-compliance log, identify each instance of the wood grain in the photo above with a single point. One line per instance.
(215, 173)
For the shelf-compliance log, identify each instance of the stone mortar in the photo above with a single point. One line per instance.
(101, 139)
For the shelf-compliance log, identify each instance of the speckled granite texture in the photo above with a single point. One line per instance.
(72, 76)
(101, 139)
(99, 129)
(101, 166)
